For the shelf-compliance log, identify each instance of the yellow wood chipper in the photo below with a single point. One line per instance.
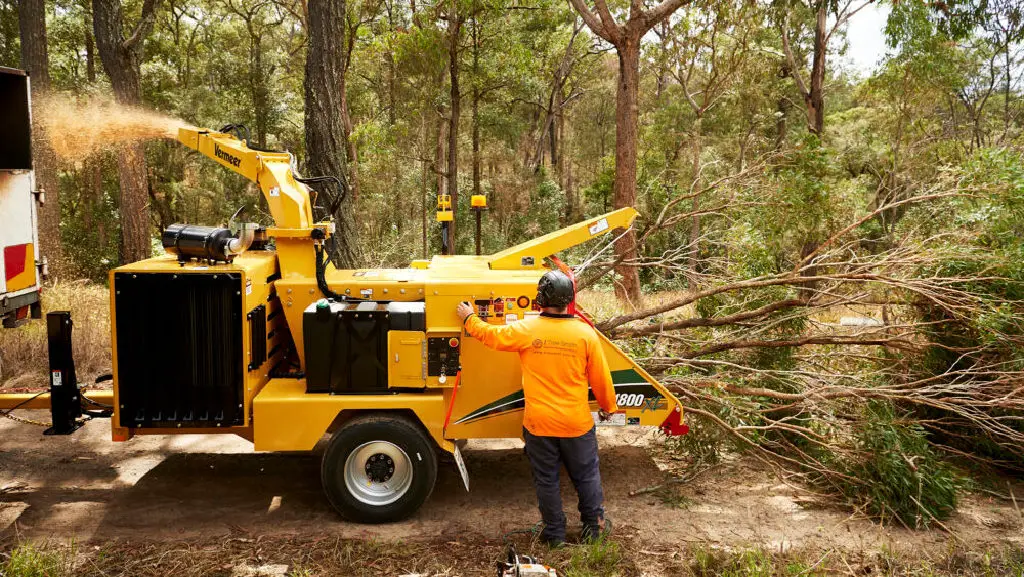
(253, 332)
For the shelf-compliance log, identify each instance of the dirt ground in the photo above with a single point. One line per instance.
(203, 488)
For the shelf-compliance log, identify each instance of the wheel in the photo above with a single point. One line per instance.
(378, 468)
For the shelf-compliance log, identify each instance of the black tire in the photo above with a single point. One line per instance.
(377, 443)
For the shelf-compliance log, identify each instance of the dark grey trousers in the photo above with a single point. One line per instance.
(579, 455)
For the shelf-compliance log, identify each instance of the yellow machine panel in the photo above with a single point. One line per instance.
(407, 358)
(292, 420)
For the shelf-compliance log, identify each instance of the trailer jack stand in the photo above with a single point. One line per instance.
(65, 405)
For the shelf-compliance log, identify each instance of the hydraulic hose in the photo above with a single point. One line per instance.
(321, 274)
(340, 189)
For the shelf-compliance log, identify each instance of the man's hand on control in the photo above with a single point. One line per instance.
(463, 310)
(603, 415)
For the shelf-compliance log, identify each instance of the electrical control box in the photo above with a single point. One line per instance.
(443, 356)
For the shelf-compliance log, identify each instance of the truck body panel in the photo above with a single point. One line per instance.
(20, 259)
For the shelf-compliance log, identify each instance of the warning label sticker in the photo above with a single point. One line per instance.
(599, 226)
(615, 420)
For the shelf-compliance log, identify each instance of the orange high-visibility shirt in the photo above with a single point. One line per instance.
(560, 355)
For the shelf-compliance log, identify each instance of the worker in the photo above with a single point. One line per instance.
(560, 356)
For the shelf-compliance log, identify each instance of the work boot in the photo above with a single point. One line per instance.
(596, 531)
(552, 540)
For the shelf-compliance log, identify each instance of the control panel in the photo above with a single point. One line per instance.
(443, 356)
(503, 310)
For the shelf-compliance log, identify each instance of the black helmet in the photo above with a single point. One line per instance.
(555, 290)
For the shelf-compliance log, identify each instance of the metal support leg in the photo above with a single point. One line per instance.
(478, 232)
(445, 249)
(65, 405)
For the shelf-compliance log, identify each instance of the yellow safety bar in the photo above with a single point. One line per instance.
(531, 254)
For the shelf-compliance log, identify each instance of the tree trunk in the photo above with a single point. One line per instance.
(424, 176)
(440, 168)
(90, 45)
(35, 59)
(572, 208)
(325, 135)
(455, 21)
(34, 55)
(120, 62)
(476, 109)
(694, 253)
(476, 143)
(351, 150)
(816, 98)
(624, 188)
(559, 154)
(134, 209)
(120, 58)
(258, 86)
(556, 101)
(1007, 92)
(389, 57)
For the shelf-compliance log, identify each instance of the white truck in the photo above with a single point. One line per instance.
(21, 265)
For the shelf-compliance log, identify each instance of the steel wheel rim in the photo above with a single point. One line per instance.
(378, 473)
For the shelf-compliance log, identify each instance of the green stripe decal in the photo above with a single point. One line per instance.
(506, 403)
(625, 380)
(627, 376)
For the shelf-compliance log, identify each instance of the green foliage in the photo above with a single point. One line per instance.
(599, 193)
(10, 45)
(991, 268)
(895, 474)
(90, 223)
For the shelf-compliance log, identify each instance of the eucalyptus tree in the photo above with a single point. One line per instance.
(122, 57)
(626, 38)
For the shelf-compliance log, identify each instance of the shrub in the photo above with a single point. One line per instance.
(895, 473)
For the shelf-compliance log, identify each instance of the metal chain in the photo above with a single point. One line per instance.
(8, 412)
(26, 421)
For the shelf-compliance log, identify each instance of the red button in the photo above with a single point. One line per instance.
(453, 342)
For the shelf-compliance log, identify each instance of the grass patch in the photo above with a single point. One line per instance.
(619, 557)
(30, 560)
(23, 353)
(602, 557)
(709, 562)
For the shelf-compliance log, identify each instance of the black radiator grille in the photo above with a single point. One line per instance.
(179, 349)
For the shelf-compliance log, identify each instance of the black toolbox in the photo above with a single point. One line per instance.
(346, 343)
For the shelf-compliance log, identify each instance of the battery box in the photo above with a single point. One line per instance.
(346, 343)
